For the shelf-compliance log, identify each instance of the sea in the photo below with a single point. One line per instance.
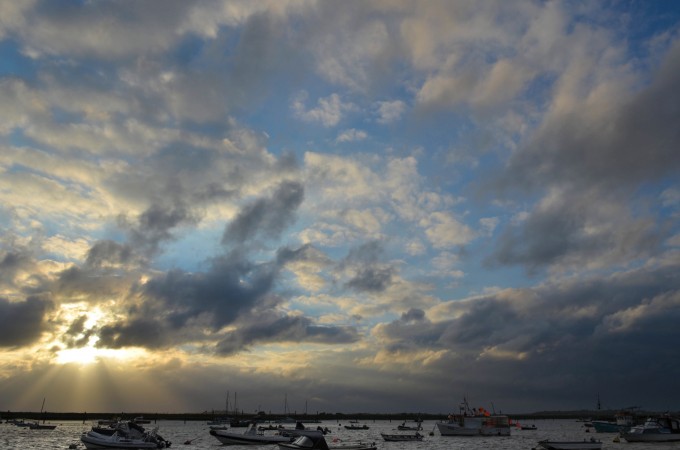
(193, 435)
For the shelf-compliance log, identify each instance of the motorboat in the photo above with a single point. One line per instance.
(250, 437)
(591, 444)
(528, 427)
(660, 429)
(317, 441)
(402, 437)
(123, 435)
(93, 440)
(141, 420)
(404, 427)
(623, 420)
(356, 427)
(301, 430)
(474, 422)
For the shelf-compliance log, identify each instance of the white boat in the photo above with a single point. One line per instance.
(474, 422)
(402, 437)
(250, 437)
(660, 429)
(317, 441)
(93, 440)
(591, 444)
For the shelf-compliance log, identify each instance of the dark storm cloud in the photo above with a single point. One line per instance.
(233, 292)
(155, 226)
(267, 328)
(109, 253)
(23, 322)
(266, 216)
(371, 279)
(605, 334)
(233, 285)
(591, 164)
(633, 140)
(575, 230)
(11, 262)
(138, 332)
(368, 273)
(77, 335)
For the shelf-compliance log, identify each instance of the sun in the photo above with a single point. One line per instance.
(83, 356)
(90, 354)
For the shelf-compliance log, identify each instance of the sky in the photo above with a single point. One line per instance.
(339, 206)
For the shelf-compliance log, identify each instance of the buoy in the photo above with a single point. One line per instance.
(616, 439)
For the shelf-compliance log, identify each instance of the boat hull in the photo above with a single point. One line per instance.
(245, 439)
(651, 437)
(401, 437)
(571, 445)
(93, 442)
(455, 429)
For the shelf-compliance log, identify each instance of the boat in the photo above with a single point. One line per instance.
(659, 429)
(356, 427)
(402, 437)
(301, 430)
(93, 440)
(623, 420)
(141, 420)
(404, 427)
(19, 422)
(317, 441)
(250, 437)
(528, 427)
(474, 422)
(592, 444)
(41, 426)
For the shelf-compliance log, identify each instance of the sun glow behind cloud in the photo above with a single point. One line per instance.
(90, 354)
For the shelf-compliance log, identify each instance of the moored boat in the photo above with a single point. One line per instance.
(93, 440)
(402, 437)
(660, 429)
(623, 420)
(404, 427)
(41, 426)
(317, 441)
(591, 444)
(474, 422)
(356, 427)
(250, 437)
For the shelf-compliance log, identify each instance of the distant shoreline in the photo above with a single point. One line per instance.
(207, 416)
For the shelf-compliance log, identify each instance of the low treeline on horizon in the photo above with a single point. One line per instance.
(339, 417)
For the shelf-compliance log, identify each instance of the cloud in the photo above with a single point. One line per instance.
(389, 111)
(263, 329)
(578, 230)
(351, 135)
(268, 217)
(23, 322)
(329, 111)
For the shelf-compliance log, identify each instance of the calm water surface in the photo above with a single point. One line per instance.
(178, 432)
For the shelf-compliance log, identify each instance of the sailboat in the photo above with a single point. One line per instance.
(287, 418)
(41, 426)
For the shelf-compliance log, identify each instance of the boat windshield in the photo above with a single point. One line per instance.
(304, 441)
